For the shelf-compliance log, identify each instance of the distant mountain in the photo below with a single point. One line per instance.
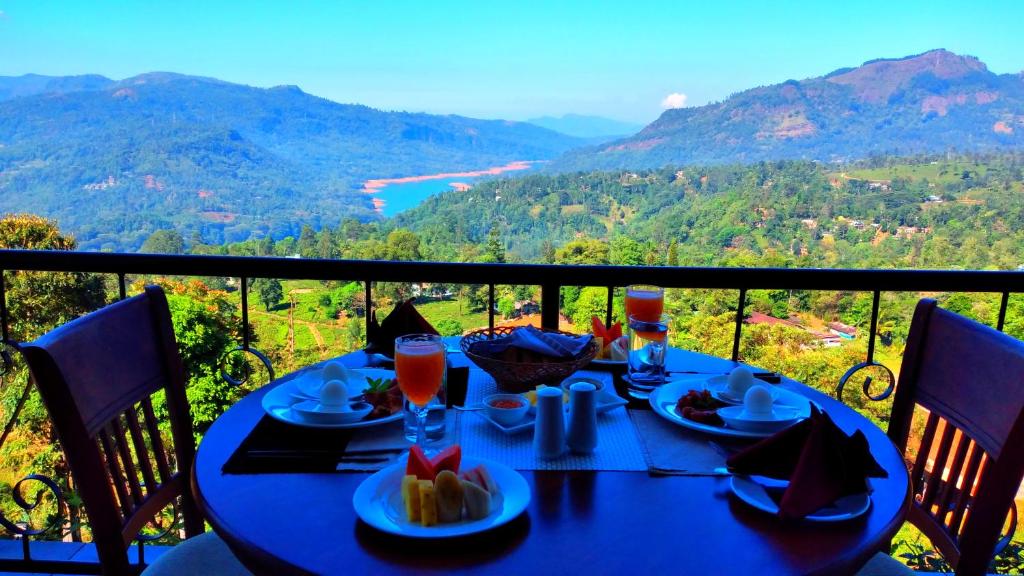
(587, 126)
(32, 84)
(924, 103)
(113, 161)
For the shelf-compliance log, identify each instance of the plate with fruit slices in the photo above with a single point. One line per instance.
(441, 498)
(613, 347)
(672, 401)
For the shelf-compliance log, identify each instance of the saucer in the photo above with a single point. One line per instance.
(314, 411)
(780, 417)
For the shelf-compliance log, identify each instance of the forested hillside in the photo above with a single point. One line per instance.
(114, 162)
(884, 213)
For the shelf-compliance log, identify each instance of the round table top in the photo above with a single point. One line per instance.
(580, 521)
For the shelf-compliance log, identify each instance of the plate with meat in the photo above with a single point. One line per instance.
(688, 403)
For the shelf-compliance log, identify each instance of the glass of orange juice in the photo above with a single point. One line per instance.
(420, 369)
(644, 302)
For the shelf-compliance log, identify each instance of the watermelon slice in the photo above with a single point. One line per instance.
(607, 335)
(598, 328)
(419, 465)
(448, 459)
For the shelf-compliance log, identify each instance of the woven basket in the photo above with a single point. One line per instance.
(519, 377)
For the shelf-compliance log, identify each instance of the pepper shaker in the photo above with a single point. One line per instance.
(549, 431)
(582, 434)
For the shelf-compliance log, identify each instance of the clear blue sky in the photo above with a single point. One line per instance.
(500, 59)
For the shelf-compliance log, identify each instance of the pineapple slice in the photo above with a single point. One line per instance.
(428, 503)
(411, 497)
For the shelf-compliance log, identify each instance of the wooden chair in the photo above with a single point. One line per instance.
(969, 379)
(96, 375)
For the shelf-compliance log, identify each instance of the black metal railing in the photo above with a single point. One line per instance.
(550, 278)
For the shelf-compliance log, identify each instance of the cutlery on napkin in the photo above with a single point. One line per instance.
(404, 319)
(821, 462)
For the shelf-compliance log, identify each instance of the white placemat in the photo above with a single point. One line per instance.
(618, 447)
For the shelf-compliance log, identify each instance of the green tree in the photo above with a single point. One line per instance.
(306, 245)
(673, 254)
(583, 251)
(269, 290)
(449, 327)
(37, 302)
(495, 251)
(325, 244)
(164, 242)
(591, 302)
(403, 244)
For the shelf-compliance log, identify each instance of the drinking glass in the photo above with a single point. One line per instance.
(644, 302)
(420, 368)
(648, 344)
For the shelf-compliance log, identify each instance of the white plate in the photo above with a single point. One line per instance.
(378, 502)
(278, 404)
(307, 384)
(664, 400)
(314, 411)
(755, 494)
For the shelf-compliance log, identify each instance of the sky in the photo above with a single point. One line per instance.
(514, 60)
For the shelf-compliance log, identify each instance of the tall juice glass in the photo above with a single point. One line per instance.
(645, 303)
(420, 369)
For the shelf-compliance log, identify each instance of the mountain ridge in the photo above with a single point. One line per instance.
(927, 102)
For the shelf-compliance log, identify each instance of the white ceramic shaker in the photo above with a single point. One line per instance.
(582, 434)
(549, 431)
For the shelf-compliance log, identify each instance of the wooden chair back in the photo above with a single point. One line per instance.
(96, 375)
(969, 379)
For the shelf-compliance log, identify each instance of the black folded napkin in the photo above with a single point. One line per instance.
(404, 319)
(821, 462)
(276, 447)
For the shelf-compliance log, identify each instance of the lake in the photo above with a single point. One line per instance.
(393, 195)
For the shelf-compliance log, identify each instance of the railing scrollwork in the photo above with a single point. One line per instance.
(245, 348)
(870, 363)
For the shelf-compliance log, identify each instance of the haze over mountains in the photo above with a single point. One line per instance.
(113, 161)
(583, 126)
(929, 102)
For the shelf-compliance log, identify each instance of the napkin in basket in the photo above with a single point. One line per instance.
(821, 462)
(532, 339)
(404, 319)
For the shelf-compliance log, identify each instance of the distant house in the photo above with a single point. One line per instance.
(933, 199)
(827, 340)
(842, 330)
(759, 318)
(526, 307)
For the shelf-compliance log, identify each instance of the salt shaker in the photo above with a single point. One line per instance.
(582, 434)
(549, 431)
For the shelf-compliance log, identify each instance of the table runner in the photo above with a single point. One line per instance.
(673, 451)
(618, 447)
